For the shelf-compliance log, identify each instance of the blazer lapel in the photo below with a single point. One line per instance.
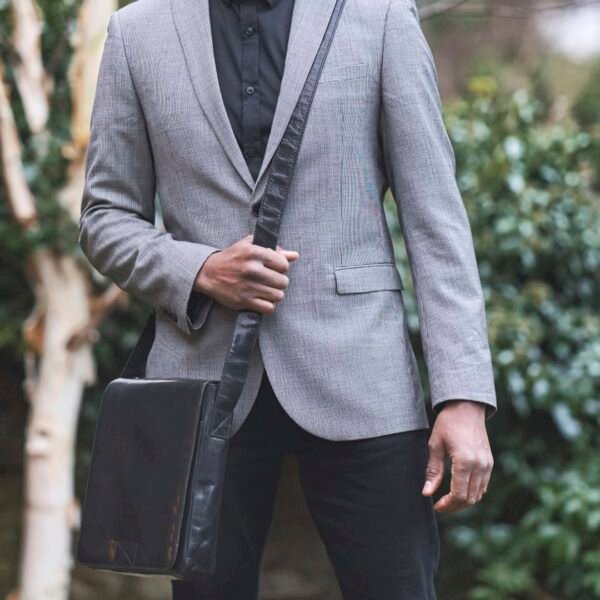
(309, 22)
(192, 19)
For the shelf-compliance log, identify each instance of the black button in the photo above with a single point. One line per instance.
(251, 152)
(248, 31)
(256, 208)
(250, 90)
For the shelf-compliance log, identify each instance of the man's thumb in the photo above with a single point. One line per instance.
(434, 472)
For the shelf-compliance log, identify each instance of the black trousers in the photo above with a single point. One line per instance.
(364, 496)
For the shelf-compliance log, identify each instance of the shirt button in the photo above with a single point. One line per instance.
(251, 152)
(248, 31)
(250, 90)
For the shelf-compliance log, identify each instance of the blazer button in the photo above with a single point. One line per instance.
(256, 208)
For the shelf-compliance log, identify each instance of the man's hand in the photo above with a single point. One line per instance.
(459, 431)
(246, 276)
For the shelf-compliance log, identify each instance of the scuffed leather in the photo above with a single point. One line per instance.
(155, 484)
(198, 552)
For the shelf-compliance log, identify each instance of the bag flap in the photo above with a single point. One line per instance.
(142, 456)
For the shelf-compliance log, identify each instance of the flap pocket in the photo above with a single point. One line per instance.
(367, 278)
(341, 72)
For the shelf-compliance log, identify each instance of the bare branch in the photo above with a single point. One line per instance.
(30, 76)
(439, 7)
(88, 42)
(457, 8)
(102, 307)
(519, 12)
(20, 199)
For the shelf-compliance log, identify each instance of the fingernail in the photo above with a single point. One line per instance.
(427, 486)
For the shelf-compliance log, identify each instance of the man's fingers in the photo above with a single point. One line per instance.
(262, 306)
(450, 503)
(276, 260)
(480, 477)
(470, 479)
(456, 499)
(479, 480)
(485, 480)
(475, 486)
(268, 293)
(273, 279)
(265, 266)
(279, 260)
(434, 472)
(291, 255)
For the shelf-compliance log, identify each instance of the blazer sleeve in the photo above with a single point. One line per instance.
(420, 167)
(116, 226)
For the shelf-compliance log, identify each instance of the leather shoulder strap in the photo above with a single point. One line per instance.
(138, 357)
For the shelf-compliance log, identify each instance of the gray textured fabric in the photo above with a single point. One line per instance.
(336, 349)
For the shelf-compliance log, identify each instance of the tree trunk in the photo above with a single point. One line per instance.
(55, 389)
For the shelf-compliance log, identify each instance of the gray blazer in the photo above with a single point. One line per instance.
(336, 349)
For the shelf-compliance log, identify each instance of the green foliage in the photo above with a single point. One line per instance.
(587, 107)
(528, 188)
(14, 289)
(586, 111)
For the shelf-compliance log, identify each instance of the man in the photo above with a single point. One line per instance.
(192, 101)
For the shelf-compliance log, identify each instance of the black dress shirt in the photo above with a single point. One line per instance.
(250, 40)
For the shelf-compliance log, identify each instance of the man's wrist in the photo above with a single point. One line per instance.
(202, 283)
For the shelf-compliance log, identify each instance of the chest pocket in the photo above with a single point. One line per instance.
(343, 72)
(367, 278)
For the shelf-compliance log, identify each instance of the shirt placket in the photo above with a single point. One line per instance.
(250, 87)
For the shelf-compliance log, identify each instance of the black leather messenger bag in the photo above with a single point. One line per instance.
(155, 481)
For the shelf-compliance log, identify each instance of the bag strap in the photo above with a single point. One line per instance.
(138, 357)
(266, 233)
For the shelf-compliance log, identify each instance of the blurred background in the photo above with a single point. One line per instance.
(520, 80)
